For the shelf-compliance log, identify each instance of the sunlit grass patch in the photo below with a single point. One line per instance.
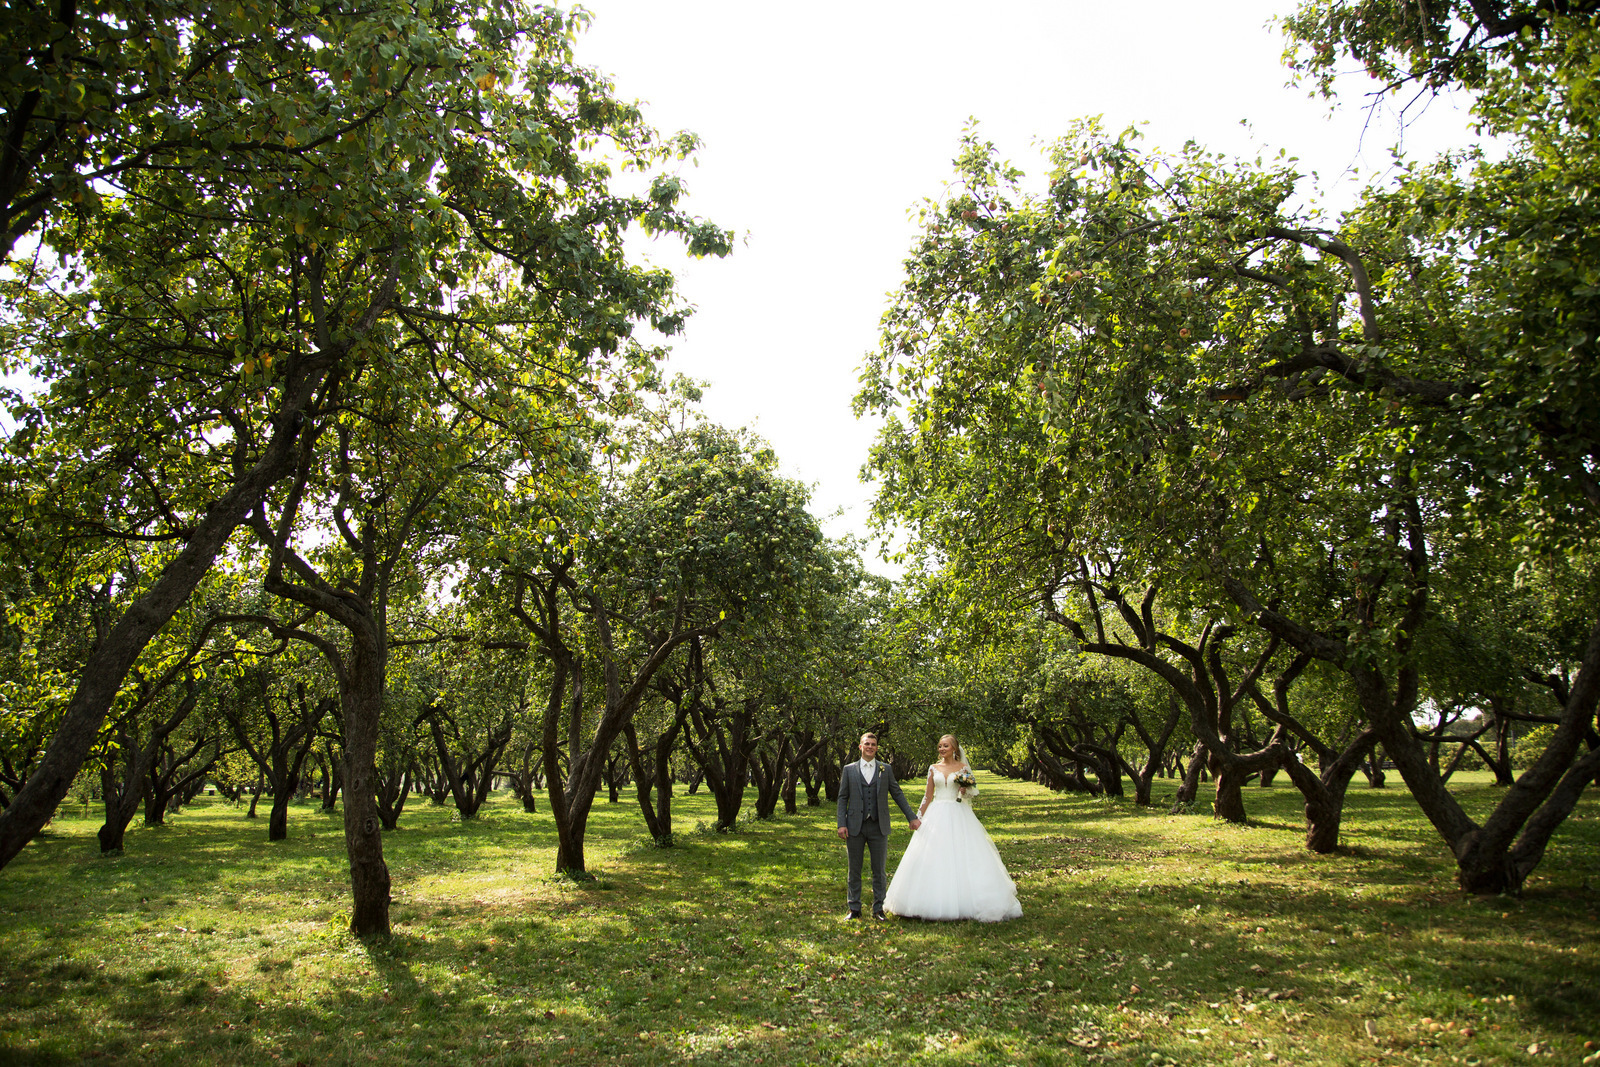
(1147, 938)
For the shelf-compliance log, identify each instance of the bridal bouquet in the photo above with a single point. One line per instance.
(965, 784)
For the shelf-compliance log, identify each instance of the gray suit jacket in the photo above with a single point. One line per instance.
(853, 797)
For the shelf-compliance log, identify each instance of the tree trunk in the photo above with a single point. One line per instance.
(791, 780)
(166, 785)
(332, 781)
(470, 778)
(110, 836)
(121, 795)
(722, 742)
(571, 802)
(813, 777)
(1228, 804)
(363, 830)
(278, 815)
(1189, 787)
(645, 783)
(1108, 771)
(525, 779)
(108, 663)
(437, 785)
(281, 760)
(155, 803)
(829, 770)
(657, 778)
(613, 775)
(1373, 769)
(1156, 747)
(1498, 855)
(569, 845)
(1502, 750)
(1143, 779)
(1500, 762)
(1324, 794)
(391, 791)
(767, 769)
(1280, 736)
(432, 779)
(1325, 814)
(1064, 763)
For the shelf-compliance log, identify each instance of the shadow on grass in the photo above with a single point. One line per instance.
(1143, 933)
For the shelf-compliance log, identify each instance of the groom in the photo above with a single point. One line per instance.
(864, 792)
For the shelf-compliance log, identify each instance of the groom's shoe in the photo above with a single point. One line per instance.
(854, 915)
(877, 913)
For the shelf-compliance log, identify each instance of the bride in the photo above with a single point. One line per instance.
(951, 870)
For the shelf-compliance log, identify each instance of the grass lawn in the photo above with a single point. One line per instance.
(1147, 939)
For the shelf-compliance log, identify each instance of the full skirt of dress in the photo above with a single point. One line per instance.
(951, 870)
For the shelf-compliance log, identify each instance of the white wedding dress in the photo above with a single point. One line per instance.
(951, 870)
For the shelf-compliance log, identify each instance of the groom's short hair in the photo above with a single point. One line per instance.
(867, 735)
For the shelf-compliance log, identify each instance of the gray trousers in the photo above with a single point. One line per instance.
(873, 836)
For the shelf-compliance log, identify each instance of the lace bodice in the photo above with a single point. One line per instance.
(944, 788)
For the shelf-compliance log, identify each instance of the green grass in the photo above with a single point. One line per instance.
(1147, 939)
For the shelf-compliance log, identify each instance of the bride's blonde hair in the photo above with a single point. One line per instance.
(955, 746)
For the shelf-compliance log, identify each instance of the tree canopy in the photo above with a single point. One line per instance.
(1164, 377)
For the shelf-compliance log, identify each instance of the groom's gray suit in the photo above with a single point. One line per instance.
(864, 811)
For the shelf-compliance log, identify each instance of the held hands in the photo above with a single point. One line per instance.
(844, 831)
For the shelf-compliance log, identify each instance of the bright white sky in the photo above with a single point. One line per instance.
(824, 125)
